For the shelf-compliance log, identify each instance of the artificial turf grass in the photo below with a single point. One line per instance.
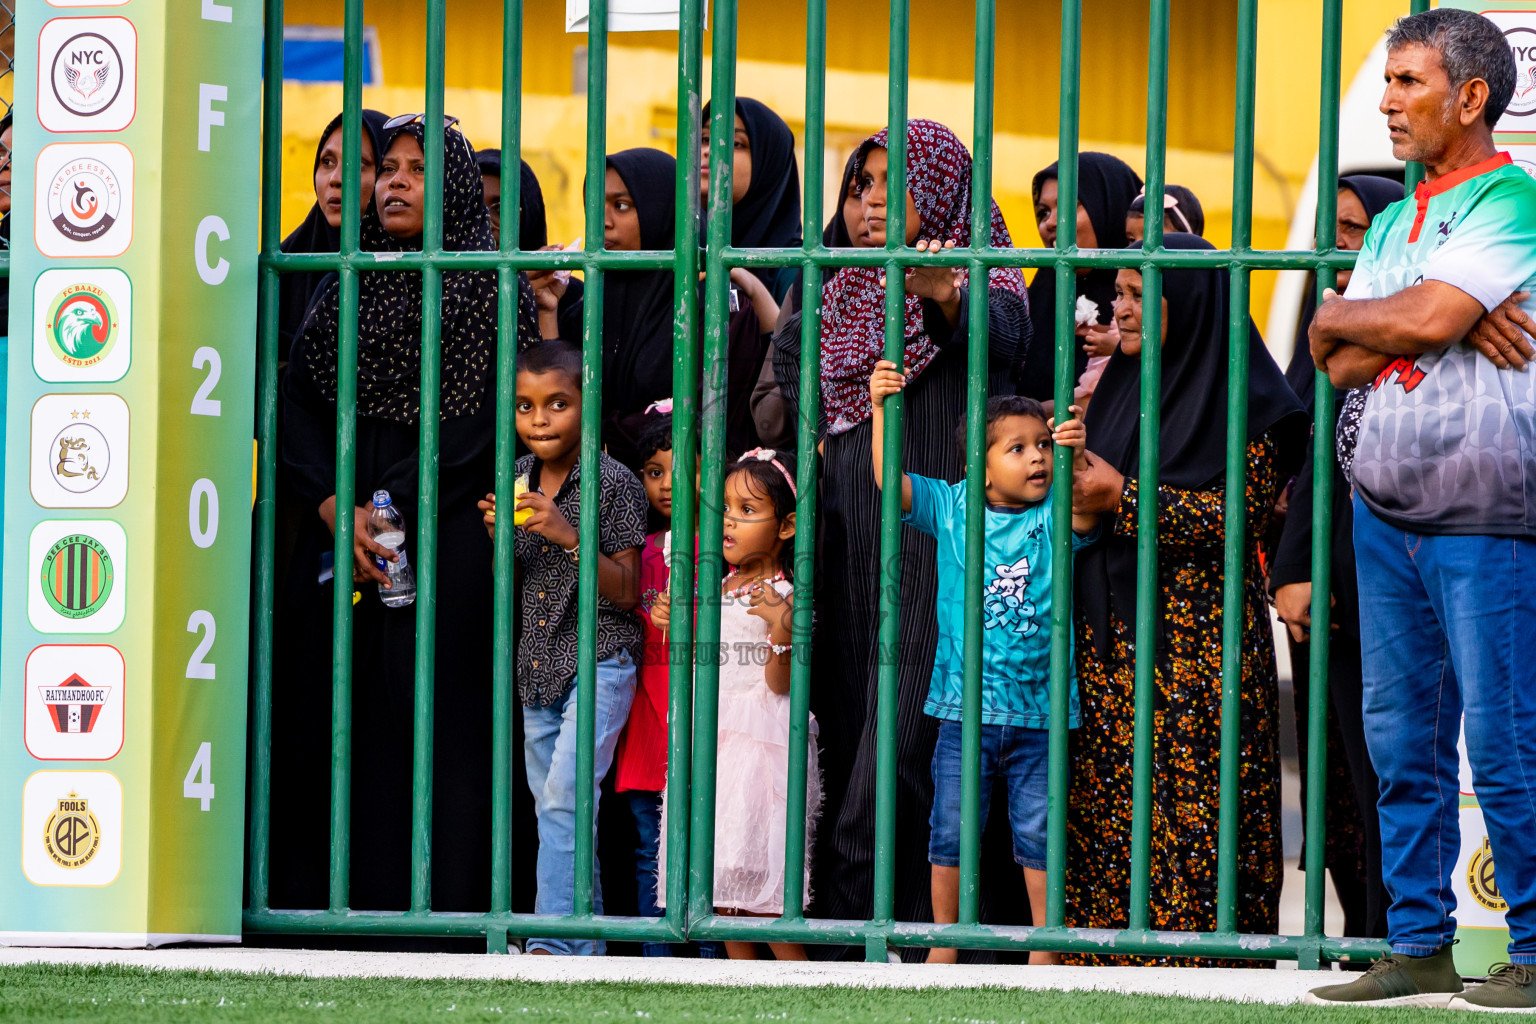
(133, 995)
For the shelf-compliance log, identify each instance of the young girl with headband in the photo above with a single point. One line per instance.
(752, 750)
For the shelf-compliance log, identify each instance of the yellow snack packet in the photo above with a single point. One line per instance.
(519, 488)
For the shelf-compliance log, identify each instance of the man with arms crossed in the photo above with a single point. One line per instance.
(1445, 507)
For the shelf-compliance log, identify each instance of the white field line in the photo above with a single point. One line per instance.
(1263, 986)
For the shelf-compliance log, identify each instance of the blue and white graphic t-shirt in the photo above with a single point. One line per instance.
(1016, 607)
(1448, 441)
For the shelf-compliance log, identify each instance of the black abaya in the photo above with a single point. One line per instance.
(1106, 187)
(383, 642)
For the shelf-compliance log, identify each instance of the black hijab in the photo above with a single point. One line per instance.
(1375, 194)
(315, 234)
(1106, 187)
(390, 309)
(1192, 447)
(637, 304)
(532, 226)
(768, 216)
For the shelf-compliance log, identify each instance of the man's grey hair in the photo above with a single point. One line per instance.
(1470, 47)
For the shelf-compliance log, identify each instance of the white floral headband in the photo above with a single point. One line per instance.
(769, 455)
(664, 407)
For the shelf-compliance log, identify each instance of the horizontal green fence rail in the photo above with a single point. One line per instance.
(699, 426)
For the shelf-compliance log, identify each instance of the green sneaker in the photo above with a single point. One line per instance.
(1397, 980)
(1510, 988)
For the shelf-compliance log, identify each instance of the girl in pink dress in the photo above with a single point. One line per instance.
(752, 751)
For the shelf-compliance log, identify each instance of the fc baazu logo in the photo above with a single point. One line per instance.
(74, 706)
(87, 74)
(72, 834)
(84, 199)
(77, 576)
(81, 325)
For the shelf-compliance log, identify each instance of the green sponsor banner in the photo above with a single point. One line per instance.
(128, 471)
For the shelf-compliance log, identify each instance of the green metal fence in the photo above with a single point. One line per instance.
(700, 422)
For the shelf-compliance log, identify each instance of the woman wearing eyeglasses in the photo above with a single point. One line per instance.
(388, 427)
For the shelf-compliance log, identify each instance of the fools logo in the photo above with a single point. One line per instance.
(1485, 889)
(72, 834)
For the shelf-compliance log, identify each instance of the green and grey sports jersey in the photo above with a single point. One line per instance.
(1448, 441)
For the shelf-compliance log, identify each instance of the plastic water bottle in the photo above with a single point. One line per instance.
(387, 528)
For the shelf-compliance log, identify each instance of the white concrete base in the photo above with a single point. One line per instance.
(1263, 986)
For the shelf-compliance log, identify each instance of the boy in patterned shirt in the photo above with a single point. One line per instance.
(549, 394)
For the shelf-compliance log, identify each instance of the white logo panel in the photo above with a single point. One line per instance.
(1519, 28)
(82, 325)
(84, 200)
(76, 571)
(79, 451)
(74, 702)
(72, 828)
(87, 74)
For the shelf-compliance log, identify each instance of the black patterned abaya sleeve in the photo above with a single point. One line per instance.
(1009, 331)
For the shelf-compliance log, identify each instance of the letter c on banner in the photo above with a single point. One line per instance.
(211, 273)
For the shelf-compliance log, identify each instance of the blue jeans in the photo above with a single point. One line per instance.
(549, 749)
(1446, 628)
(1018, 756)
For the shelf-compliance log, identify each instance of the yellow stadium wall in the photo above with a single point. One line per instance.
(642, 93)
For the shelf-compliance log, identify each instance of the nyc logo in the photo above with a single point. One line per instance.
(1004, 605)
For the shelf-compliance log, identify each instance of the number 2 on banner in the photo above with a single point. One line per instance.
(202, 768)
(202, 405)
(198, 667)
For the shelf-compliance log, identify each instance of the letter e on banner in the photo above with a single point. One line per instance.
(217, 12)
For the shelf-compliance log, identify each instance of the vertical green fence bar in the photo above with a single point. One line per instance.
(977, 376)
(591, 450)
(1317, 709)
(263, 540)
(888, 641)
(502, 595)
(1235, 562)
(685, 443)
(1413, 173)
(806, 471)
(346, 461)
(706, 695)
(426, 507)
(1065, 340)
(1148, 613)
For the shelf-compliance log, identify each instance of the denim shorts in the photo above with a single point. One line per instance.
(1014, 755)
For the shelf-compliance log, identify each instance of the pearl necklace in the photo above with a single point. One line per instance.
(744, 588)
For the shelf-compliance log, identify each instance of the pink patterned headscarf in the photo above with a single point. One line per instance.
(853, 301)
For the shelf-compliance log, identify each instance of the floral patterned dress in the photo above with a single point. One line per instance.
(1187, 734)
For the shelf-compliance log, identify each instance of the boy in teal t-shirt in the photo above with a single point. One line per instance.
(1016, 642)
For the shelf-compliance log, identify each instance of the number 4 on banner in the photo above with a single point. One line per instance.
(202, 767)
